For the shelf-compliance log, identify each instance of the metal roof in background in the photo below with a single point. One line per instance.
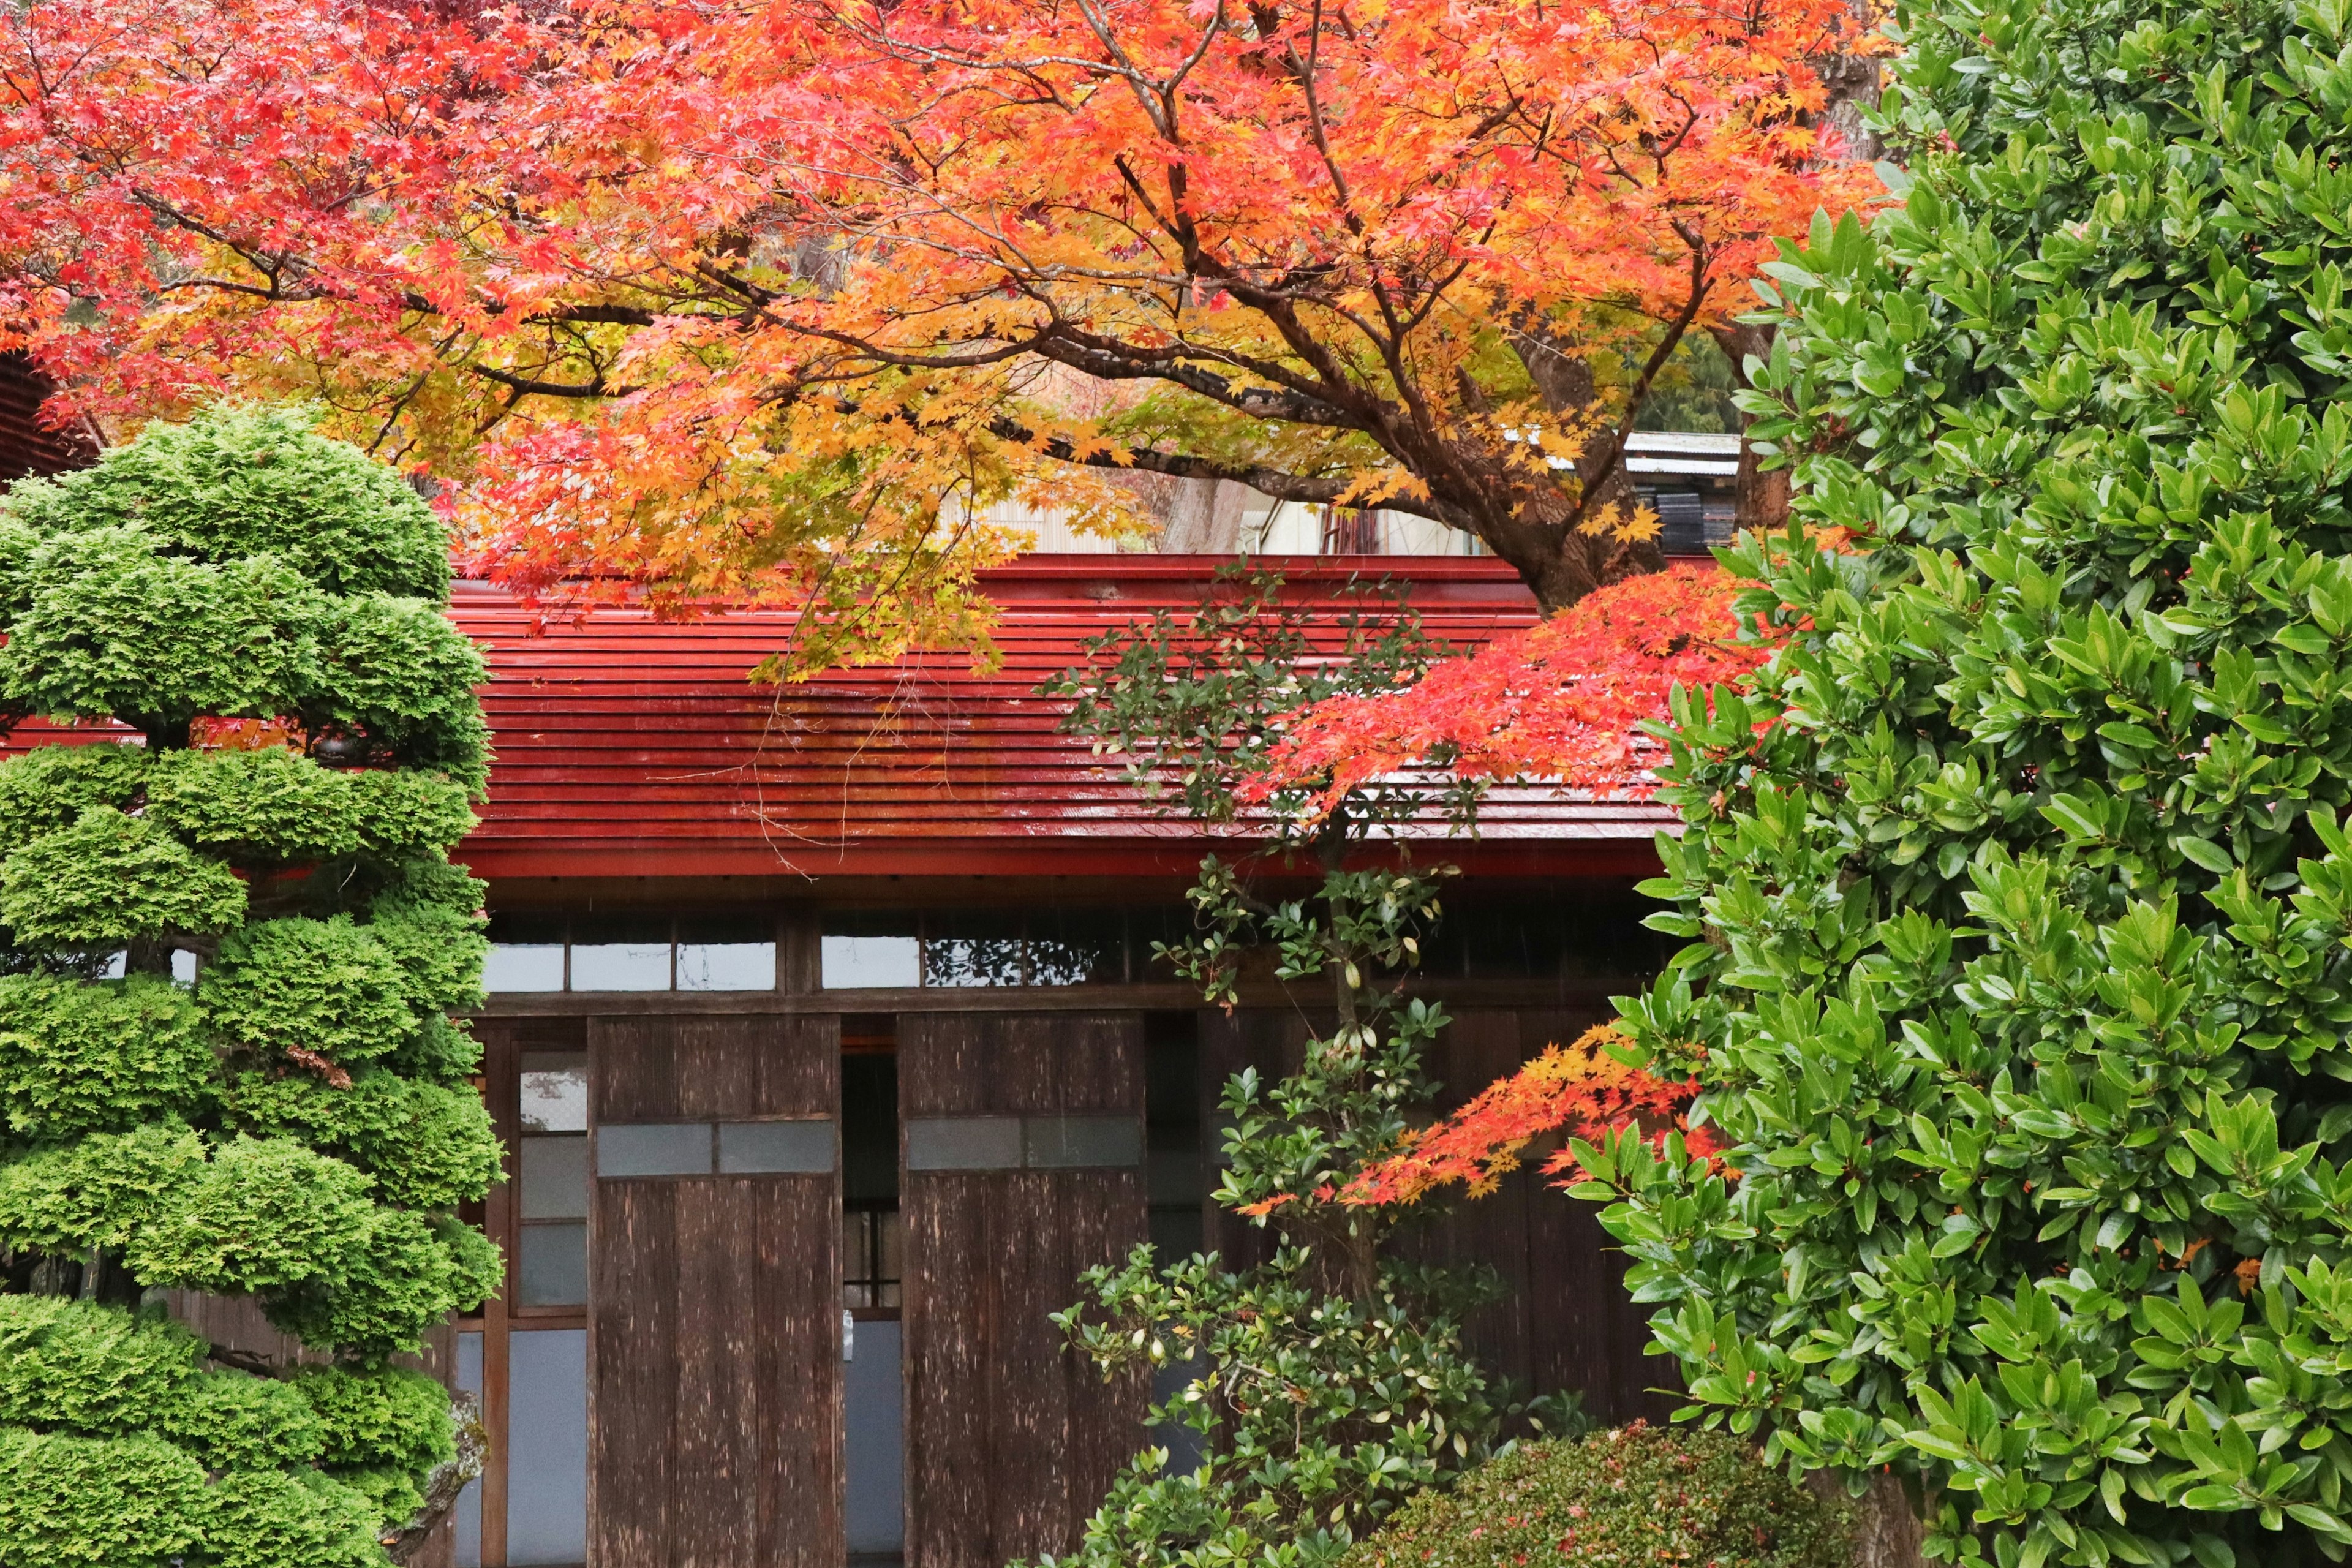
(628, 746)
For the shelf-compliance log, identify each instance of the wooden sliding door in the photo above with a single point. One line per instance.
(1022, 1144)
(715, 1329)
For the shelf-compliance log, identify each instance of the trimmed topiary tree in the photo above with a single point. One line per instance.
(1633, 1498)
(226, 1063)
(2021, 881)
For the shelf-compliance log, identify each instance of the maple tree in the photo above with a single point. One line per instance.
(774, 301)
(1567, 699)
(1586, 1089)
(1571, 698)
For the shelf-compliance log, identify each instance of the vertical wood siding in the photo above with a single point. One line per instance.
(714, 1357)
(1011, 1439)
(1565, 1322)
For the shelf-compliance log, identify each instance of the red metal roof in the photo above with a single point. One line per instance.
(628, 746)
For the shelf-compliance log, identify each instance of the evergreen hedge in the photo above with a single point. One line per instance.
(1635, 1497)
(296, 1124)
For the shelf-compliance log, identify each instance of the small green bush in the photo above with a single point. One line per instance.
(97, 1058)
(232, 1421)
(81, 1367)
(328, 987)
(1634, 1498)
(237, 479)
(109, 879)
(49, 787)
(270, 800)
(386, 1418)
(99, 1191)
(97, 1502)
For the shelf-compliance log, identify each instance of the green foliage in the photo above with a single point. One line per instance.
(117, 626)
(1630, 1498)
(1319, 1388)
(398, 670)
(103, 1503)
(99, 1191)
(266, 803)
(296, 1127)
(386, 1418)
(261, 1214)
(49, 787)
(77, 1366)
(234, 1421)
(80, 1057)
(428, 1147)
(2021, 877)
(405, 1274)
(110, 879)
(1626, 1498)
(299, 1518)
(327, 987)
(239, 480)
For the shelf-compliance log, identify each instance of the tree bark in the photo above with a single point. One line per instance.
(1886, 1529)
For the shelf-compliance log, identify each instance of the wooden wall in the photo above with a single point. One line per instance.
(714, 1345)
(1010, 1439)
(1565, 1322)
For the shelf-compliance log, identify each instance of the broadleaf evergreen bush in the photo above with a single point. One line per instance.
(2020, 881)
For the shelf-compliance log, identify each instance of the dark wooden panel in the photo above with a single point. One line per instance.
(1012, 1438)
(965, 1063)
(715, 1068)
(714, 1337)
(1566, 1322)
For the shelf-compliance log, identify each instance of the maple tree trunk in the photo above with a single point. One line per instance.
(1762, 495)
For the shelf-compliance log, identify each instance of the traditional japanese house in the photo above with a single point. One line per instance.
(825, 1034)
(827, 1043)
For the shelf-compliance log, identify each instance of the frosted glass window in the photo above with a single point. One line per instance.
(547, 1447)
(519, 966)
(621, 966)
(183, 966)
(726, 966)
(526, 952)
(552, 1270)
(851, 962)
(620, 953)
(466, 1523)
(872, 1446)
(555, 1177)
(554, 1091)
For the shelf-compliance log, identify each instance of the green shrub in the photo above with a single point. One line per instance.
(373, 1419)
(102, 1190)
(296, 1128)
(80, 1057)
(2019, 884)
(97, 1502)
(115, 627)
(77, 1366)
(239, 480)
(262, 1213)
(427, 1146)
(49, 787)
(269, 802)
(109, 880)
(1633, 1498)
(298, 1519)
(328, 987)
